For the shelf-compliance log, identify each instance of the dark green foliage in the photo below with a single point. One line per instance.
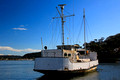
(9, 57)
(108, 48)
(25, 57)
(32, 55)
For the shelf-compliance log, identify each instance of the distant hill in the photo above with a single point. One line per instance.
(9, 57)
(32, 55)
(17, 57)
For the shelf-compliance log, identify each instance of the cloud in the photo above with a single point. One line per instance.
(3, 48)
(31, 50)
(19, 28)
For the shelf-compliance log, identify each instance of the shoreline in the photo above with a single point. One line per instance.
(14, 59)
(101, 60)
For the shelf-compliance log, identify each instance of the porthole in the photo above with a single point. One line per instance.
(65, 54)
(69, 55)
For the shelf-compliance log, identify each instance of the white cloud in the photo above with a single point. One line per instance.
(19, 28)
(31, 50)
(2, 48)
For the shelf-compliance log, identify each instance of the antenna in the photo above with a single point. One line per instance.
(62, 20)
(84, 30)
(67, 40)
(42, 43)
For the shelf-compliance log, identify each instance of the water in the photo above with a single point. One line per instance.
(23, 70)
(18, 70)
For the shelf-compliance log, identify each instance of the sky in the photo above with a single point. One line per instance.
(24, 24)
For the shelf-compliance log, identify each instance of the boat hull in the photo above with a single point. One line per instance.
(67, 72)
(63, 66)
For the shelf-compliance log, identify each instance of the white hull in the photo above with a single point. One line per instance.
(62, 64)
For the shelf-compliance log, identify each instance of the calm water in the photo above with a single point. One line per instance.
(23, 70)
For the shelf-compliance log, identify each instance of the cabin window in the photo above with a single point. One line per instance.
(69, 55)
(59, 47)
(81, 52)
(65, 54)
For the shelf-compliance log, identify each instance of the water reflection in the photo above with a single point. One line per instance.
(54, 77)
(89, 76)
(109, 71)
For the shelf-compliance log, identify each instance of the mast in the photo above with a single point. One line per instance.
(84, 30)
(42, 43)
(62, 21)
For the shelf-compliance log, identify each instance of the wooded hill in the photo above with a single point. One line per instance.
(24, 57)
(108, 48)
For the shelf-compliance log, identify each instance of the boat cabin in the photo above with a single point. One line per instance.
(68, 47)
(70, 51)
(61, 51)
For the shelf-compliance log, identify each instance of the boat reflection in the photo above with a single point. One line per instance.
(88, 76)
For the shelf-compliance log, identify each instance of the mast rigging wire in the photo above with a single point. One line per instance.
(89, 29)
(73, 22)
(80, 30)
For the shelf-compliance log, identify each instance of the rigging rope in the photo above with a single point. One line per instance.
(73, 22)
(80, 30)
(48, 32)
(89, 29)
(50, 41)
(69, 32)
(58, 32)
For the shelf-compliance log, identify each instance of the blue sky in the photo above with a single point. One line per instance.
(24, 22)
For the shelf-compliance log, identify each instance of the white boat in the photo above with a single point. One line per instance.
(66, 59)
